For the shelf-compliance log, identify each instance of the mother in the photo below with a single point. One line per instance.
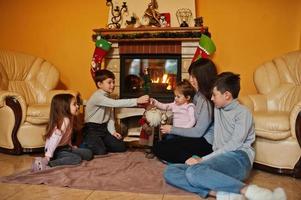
(198, 139)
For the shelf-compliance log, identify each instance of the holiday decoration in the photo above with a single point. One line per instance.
(150, 122)
(102, 47)
(205, 49)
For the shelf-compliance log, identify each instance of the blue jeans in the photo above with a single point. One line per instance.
(69, 156)
(224, 172)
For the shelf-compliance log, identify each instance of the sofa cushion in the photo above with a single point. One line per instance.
(272, 125)
(38, 113)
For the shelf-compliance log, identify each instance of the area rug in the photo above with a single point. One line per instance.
(127, 172)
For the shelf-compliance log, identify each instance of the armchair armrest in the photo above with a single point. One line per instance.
(52, 93)
(12, 111)
(254, 102)
(295, 122)
(5, 94)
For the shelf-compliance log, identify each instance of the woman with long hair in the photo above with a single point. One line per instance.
(198, 139)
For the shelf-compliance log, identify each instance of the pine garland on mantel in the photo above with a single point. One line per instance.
(147, 34)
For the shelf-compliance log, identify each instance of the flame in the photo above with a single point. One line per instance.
(164, 79)
(157, 80)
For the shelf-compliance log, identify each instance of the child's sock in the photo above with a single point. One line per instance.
(259, 193)
(279, 194)
(229, 196)
(39, 164)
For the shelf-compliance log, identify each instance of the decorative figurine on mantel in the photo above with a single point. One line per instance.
(198, 22)
(151, 16)
(116, 14)
(184, 16)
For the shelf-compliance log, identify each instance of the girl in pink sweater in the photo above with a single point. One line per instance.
(58, 148)
(182, 108)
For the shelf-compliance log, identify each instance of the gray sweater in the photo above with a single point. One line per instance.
(233, 130)
(99, 108)
(203, 116)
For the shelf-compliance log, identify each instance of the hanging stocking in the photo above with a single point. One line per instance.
(102, 48)
(205, 49)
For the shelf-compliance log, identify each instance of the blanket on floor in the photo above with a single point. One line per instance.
(127, 172)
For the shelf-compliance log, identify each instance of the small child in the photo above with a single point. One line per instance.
(58, 148)
(182, 108)
(220, 174)
(99, 130)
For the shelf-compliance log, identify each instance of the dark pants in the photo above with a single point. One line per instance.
(99, 140)
(179, 149)
(68, 156)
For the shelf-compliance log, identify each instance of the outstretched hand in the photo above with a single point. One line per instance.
(143, 99)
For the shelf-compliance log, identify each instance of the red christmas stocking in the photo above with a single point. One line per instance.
(102, 48)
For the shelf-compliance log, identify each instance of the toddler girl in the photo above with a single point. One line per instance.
(182, 108)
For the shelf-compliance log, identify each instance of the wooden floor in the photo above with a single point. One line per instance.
(11, 164)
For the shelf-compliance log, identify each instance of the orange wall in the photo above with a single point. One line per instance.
(59, 31)
(246, 33)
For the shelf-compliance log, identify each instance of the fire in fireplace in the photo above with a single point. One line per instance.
(151, 74)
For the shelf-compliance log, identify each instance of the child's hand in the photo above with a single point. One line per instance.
(165, 129)
(117, 135)
(193, 161)
(143, 99)
(152, 101)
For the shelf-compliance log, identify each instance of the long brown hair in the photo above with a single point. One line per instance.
(205, 72)
(59, 109)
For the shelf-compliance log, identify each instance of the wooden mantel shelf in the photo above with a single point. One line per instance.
(151, 34)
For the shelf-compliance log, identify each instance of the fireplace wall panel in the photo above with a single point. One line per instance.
(155, 47)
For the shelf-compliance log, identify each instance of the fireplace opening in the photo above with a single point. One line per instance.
(151, 74)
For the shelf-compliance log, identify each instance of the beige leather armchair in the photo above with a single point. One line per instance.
(276, 109)
(26, 90)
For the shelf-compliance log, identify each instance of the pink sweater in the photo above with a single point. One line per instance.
(183, 115)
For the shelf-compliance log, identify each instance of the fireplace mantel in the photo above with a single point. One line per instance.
(151, 34)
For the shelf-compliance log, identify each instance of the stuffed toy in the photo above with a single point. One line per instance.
(102, 48)
(205, 49)
(150, 122)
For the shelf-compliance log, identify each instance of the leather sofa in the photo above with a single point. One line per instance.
(26, 88)
(276, 110)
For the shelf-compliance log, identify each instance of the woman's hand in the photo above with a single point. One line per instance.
(143, 99)
(165, 129)
(193, 161)
(117, 135)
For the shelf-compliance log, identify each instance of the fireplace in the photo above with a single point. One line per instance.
(155, 75)
(158, 46)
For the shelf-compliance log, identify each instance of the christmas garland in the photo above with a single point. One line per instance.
(153, 35)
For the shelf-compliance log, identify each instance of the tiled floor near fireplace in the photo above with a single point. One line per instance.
(13, 164)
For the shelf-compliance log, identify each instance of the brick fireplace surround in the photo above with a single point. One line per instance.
(181, 41)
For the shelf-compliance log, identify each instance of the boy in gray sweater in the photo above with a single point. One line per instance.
(220, 174)
(99, 131)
